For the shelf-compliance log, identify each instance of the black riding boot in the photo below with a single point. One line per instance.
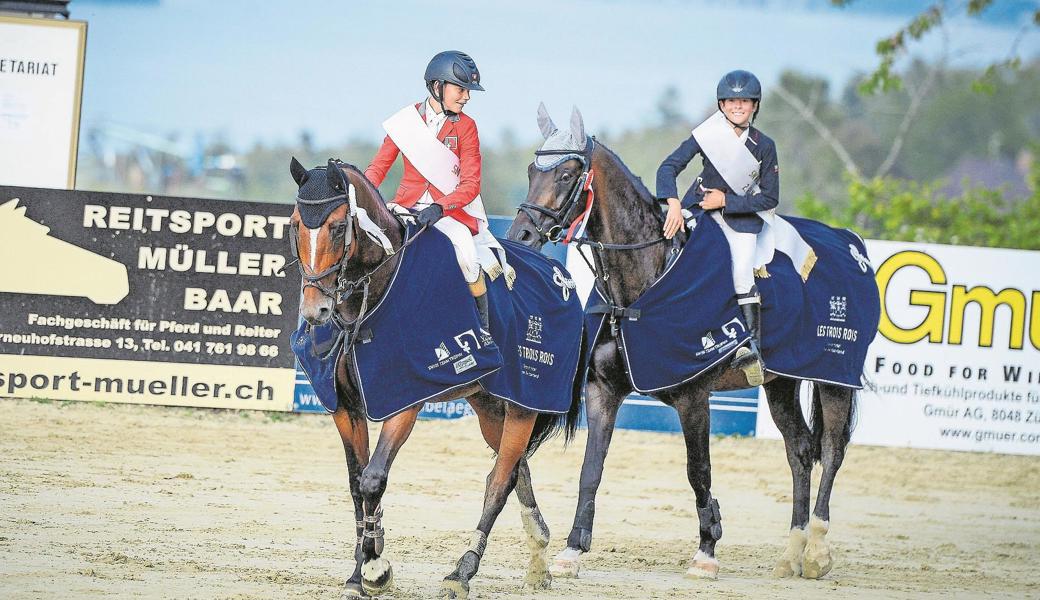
(750, 359)
(479, 291)
(482, 309)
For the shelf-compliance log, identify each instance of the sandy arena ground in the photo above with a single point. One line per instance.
(154, 502)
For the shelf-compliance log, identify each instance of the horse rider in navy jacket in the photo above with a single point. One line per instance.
(738, 95)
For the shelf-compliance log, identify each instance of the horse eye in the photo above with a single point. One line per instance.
(565, 176)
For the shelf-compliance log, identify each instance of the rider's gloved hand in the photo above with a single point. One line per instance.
(431, 214)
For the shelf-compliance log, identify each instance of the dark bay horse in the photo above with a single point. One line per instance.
(624, 223)
(345, 271)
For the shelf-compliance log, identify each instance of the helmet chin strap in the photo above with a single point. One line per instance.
(439, 97)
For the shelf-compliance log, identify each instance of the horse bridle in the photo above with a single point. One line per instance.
(339, 267)
(557, 231)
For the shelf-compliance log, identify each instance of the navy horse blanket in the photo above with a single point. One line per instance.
(423, 338)
(688, 320)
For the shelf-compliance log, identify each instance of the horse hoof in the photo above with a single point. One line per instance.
(785, 568)
(816, 560)
(538, 581)
(566, 564)
(453, 589)
(538, 576)
(377, 576)
(703, 567)
(353, 590)
(790, 563)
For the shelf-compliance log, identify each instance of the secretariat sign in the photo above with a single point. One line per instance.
(145, 299)
(41, 86)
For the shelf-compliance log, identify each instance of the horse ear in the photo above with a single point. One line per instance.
(299, 174)
(545, 124)
(577, 124)
(335, 176)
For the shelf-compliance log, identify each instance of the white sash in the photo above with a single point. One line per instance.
(440, 167)
(737, 165)
(740, 169)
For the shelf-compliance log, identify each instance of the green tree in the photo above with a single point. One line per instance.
(885, 79)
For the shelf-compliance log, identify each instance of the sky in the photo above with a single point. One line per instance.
(265, 71)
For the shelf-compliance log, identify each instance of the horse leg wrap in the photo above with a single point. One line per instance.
(580, 538)
(478, 543)
(535, 527)
(374, 528)
(581, 532)
(711, 519)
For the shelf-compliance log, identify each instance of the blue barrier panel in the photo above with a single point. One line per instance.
(732, 413)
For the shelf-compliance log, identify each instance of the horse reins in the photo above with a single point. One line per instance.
(555, 233)
(345, 288)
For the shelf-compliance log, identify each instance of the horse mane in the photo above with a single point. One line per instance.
(385, 214)
(643, 194)
(372, 189)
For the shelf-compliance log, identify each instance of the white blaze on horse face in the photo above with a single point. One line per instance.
(314, 246)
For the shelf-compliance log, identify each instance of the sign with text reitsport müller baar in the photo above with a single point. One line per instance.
(145, 299)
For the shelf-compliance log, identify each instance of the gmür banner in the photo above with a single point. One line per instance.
(956, 364)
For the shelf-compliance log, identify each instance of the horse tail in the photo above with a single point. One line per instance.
(547, 425)
(816, 422)
(816, 418)
(577, 391)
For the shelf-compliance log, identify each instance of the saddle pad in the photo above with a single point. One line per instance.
(423, 339)
(538, 326)
(820, 329)
(689, 320)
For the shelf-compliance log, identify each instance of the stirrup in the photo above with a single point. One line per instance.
(750, 362)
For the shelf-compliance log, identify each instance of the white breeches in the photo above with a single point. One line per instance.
(742, 249)
(461, 238)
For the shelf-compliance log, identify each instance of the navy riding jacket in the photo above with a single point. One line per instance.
(740, 210)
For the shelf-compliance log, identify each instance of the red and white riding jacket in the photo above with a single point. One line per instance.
(459, 134)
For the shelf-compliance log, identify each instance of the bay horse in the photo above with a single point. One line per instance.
(624, 231)
(343, 271)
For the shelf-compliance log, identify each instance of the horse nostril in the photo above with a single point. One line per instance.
(523, 235)
(323, 314)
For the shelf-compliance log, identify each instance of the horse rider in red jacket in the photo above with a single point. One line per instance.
(450, 77)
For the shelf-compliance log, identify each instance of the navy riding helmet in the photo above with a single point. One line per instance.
(740, 84)
(456, 67)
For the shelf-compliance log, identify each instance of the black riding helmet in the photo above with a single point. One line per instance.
(452, 66)
(740, 84)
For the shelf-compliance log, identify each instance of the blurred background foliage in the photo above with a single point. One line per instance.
(935, 158)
